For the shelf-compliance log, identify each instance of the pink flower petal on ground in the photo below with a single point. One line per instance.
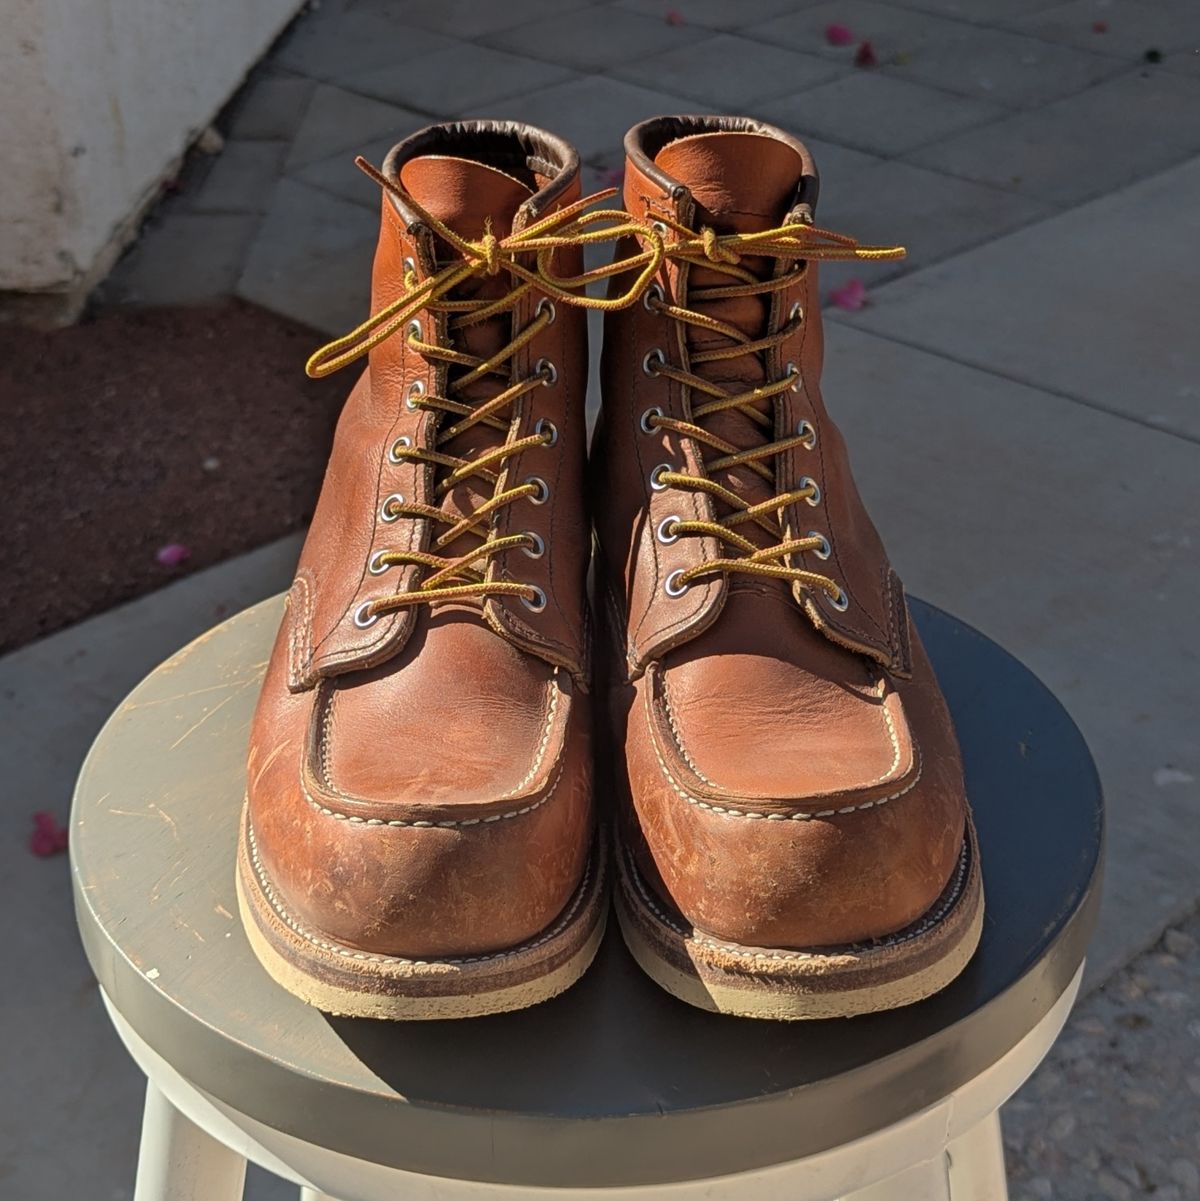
(838, 35)
(865, 56)
(1099, 26)
(851, 296)
(48, 837)
(614, 177)
(673, 17)
(173, 554)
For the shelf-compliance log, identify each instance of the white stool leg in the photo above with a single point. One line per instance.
(922, 1182)
(177, 1161)
(977, 1163)
(311, 1194)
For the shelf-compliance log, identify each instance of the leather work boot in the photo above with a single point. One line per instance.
(419, 839)
(794, 841)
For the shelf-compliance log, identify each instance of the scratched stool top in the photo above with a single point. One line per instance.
(573, 1092)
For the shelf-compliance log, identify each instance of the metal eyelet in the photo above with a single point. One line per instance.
(538, 547)
(362, 618)
(393, 451)
(660, 228)
(538, 603)
(414, 330)
(653, 356)
(653, 295)
(672, 587)
(410, 264)
(663, 533)
(543, 489)
(415, 389)
(824, 550)
(656, 477)
(793, 373)
(807, 431)
(841, 602)
(652, 412)
(546, 305)
(796, 312)
(544, 427)
(808, 482)
(385, 513)
(376, 565)
(547, 371)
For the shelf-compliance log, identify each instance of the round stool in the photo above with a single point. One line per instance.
(615, 1085)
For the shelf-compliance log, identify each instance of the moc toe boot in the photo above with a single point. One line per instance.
(794, 837)
(419, 839)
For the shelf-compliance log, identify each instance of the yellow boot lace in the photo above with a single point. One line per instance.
(465, 575)
(724, 253)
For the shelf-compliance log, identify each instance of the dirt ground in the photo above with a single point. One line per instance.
(137, 430)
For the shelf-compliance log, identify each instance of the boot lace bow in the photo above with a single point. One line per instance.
(725, 254)
(527, 257)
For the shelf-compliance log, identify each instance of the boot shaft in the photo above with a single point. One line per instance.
(734, 200)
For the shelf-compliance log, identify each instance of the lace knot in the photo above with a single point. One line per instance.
(714, 251)
(489, 249)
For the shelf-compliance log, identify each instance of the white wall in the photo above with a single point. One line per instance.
(98, 98)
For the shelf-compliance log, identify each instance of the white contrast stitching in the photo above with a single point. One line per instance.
(326, 725)
(265, 884)
(887, 717)
(425, 825)
(796, 816)
(950, 897)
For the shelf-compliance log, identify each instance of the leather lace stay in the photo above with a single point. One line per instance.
(723, 253)
(467, 575)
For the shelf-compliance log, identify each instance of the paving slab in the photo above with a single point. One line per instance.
(1098, 304)
(595, 38)
(879, 113)
(78, 1088)
(240, 180)
(1130, 27)
(270, 107)
(716, 14)
(1008, 68)
(729, 72)
(312, 258)
(981, 12)
(337, 45)
(184, 258)
(1070, 536)
(460, 79)
(933, 216)
(1186, 62)
(890, 29)
(594, 111)
(339, 120)
(1121, 130)
(468, 18)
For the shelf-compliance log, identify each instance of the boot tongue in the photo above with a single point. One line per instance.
(741, 183)
(464, 194)
(471, 198)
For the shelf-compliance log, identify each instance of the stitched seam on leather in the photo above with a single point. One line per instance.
(923, 925)
(300, 667)
(545, 740)
(448, 824)
(277, 905)
(887, 718)
(679, 739)
(796, 815)
(540, 754)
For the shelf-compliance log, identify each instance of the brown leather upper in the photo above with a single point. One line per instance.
(793, 775)
(420, 778)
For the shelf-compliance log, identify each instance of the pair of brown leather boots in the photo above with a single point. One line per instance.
(422, 838)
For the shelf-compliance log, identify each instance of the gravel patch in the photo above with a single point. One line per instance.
(1113, 1114)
